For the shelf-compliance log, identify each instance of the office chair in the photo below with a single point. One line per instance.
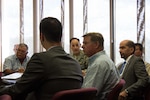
(113, 95)
(76, 94)
(1, 74)
(147, 93)
(5, 97)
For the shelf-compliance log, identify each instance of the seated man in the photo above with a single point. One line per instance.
(139, 52)
(101, 72)
(47, 72)
(133, 72)
(18, 61)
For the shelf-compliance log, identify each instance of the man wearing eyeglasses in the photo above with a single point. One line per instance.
(16, 62)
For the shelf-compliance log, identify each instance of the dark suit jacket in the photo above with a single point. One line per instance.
(135, 76)
(47, 73)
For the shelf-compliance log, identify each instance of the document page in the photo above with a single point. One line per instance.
(12, 76)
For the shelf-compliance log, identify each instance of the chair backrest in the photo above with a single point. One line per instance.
(1, 74)
(5, 97)
(147, 93)
(113, 95)
(76, 94)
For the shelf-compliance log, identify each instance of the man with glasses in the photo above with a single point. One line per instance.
(18, 61)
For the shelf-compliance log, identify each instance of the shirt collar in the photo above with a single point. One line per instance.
(51, 47)
(127, 60)
(93, 57)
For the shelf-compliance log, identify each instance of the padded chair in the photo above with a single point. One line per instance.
(147, 93)
(1, 74)
(113, 95)
(5, 97)
(76, 94)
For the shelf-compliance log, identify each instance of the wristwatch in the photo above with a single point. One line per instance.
(126, 91)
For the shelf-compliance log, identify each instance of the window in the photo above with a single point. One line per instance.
(147, 30)
(98, 20)
(126, 23)
(10, 27)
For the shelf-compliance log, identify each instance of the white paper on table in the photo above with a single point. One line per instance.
(8, 81)
(12, 76)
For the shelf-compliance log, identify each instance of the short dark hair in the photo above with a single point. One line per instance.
(96, 37)
(73, 39)
(140, 46)
(51, 28)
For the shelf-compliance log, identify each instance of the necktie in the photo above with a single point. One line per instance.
(122, 67)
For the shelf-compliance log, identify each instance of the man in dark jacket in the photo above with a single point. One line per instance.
(50, 71)
(134, 73)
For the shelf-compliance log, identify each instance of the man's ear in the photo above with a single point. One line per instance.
(132, 50)
(41, 37)
(96, 44)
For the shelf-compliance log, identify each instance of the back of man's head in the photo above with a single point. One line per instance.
(51, 28)
(130, 44)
